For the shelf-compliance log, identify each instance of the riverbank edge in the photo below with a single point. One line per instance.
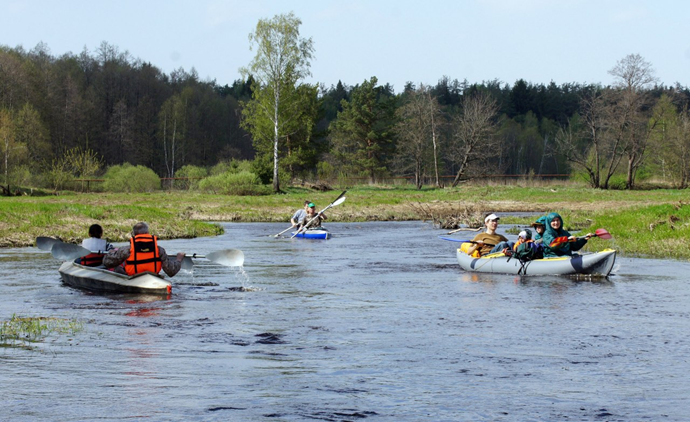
(639, 228)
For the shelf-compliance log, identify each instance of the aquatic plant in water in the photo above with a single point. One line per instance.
(22, 331)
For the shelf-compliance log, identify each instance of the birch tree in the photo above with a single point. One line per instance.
(282, 59)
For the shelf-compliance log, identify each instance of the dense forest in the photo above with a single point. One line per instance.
(110, 108)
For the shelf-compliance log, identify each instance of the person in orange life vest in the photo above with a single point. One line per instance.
(482, 240)
(143, 254)
(96, 245)
(525, 236)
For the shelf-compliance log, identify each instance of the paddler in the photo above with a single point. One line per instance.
(142, 255)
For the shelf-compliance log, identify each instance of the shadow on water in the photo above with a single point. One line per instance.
(376, 323)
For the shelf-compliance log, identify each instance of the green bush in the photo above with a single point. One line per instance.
(242, 183)
(194, 173)
(232, 166)
(129, 178)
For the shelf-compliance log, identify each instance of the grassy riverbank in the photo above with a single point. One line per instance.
(653, 223)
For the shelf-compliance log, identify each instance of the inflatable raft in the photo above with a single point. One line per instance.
(597, 264)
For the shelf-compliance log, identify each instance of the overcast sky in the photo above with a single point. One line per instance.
(395, 40)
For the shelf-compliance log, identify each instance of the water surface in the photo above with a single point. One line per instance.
(377, 323)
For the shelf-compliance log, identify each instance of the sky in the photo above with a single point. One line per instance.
(397, 41)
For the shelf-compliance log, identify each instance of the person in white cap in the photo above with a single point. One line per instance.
(489, 241)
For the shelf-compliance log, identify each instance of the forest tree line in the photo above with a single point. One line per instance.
(106, 108)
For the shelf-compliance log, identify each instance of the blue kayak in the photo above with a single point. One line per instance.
(313, 234)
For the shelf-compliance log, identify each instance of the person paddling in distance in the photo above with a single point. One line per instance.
(312, 218)
(299, 214)
(98, 246)
(489, 241)
(143, 254)
(554, 229)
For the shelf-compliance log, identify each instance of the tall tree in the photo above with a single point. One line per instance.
(633, 75)
(417, 125)
(282, 59)
(587, 141)
(473, 140)
(361, 134)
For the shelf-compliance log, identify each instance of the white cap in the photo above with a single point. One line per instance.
(523, 234)
(491, 217)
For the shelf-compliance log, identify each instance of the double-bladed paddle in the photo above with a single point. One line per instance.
(45, 243)
(339, 200)
(276, 235)
(600, 233)
(450, 239)
(226, 257)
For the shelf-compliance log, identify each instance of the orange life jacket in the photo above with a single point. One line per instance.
(520, 242)
(143, 255)
(92, 259)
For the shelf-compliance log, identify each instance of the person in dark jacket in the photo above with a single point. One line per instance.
(554, 229)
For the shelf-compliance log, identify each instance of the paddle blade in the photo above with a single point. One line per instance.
(227, 257)
(602, 234)
(339, 201)
(68, 251)
(451, 239)
(187, 263)
(46, 243)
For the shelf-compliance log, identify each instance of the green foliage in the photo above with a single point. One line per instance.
(326, 170)
(58, 173)
(83, 163)
(129, 178)
(277, 110)
(232, 166)
(194, 175)
(242, 183)
(361, 135)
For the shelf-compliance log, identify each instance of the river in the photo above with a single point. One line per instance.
(377, 323)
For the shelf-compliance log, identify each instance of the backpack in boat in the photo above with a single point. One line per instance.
(528, 251)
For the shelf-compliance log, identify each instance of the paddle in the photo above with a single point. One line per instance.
(464, 229)
(226, 257)
(339, 200)
(600, 233)
(283, 231)
(69, 252)
(46, 243)
(450, 239)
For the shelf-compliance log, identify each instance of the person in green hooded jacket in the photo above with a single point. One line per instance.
(554, 229)
(539, 227)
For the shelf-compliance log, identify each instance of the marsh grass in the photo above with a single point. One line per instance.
(643, 222)
(24, 331)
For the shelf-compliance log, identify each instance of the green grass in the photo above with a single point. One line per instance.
(184, 214)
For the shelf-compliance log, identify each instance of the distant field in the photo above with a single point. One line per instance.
(650, 222)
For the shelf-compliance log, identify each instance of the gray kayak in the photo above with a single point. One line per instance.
(597, 264)
(102, 280)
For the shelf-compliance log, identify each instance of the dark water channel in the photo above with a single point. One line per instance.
(377, 324)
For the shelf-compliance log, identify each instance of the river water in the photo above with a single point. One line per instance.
(377, 323)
